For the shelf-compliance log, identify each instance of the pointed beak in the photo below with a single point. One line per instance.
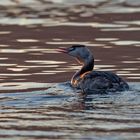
(62, 50)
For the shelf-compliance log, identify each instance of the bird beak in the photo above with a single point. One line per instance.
(63, 50)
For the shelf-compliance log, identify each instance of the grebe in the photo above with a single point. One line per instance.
(89, 80)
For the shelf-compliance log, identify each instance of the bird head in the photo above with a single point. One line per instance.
(80, 52)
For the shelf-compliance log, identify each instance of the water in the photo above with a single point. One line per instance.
(60, 113)
(34, 101)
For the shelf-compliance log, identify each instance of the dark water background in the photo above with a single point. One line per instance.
(34, 103)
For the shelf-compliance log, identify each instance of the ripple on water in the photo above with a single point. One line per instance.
(125, 42)
(27, 40)
(122, 29)
(45, 61)
(4, 32)
(59, 107)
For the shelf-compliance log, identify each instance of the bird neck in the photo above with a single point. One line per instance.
(87, 67)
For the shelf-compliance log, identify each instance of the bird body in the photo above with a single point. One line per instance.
(89, 80)
(99, 80)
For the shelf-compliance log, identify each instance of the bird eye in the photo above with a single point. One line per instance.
(71, 49)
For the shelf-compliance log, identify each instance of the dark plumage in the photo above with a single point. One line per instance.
(93, 81)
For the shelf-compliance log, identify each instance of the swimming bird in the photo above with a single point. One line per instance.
(89, 80)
